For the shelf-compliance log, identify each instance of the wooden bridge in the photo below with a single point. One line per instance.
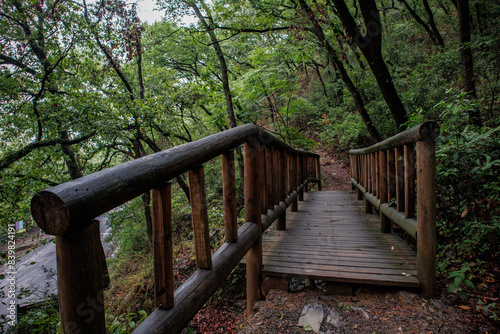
(323, 235)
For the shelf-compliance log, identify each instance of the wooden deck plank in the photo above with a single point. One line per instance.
(331, 238)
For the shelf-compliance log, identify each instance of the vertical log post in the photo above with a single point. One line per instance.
(162, 247)
(269, 178)
(79, 281)
(400, 179)
(283, 178)
(229, 194)
(198, 197)
(391, 176)
(305, 171)
(252, 214)
(385, 223)
(368, 164)
(367, 172)
(300, 176)
(276, 177)
(409, 181)
(263, 176)
(359, 174)
(369, 156)
(377, 175)
(318, 173)
(293, 159)
(352, 161)
(426, 217)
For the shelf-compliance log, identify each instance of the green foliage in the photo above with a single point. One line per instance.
(461, 278)
(128, 230)
(125, 323)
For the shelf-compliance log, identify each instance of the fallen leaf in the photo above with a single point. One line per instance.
(464, 307)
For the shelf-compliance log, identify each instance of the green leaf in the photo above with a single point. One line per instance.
(469, 284)
(307, 327)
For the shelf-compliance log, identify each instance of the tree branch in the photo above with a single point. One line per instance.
(9, 159)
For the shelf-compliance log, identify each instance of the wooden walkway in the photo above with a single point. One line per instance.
(331, 238)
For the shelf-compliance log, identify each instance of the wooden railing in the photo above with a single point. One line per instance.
(384, 174)
(275, 177)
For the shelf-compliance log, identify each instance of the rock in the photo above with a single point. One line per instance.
(333, 318)
(339, 289)
(312, 315)
(365, 314)
(273, 283)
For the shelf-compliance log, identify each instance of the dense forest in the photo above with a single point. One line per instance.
(87, 85)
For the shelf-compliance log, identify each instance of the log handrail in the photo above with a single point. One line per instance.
(69, 210)
(385, 172)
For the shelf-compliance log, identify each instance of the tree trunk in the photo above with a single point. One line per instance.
(74, 168)
(210, 28)
(432, 23)
(371, 47)
(318, 31)
(146, 197)
(466, 58)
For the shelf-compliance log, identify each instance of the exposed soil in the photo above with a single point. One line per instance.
(334, 172)
(368, 310)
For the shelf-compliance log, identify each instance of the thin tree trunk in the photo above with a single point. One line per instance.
(419, 20)
(432, 23)
(466, 58)
(339, 66)
(371, 47)
(210, 28)
(71, 160)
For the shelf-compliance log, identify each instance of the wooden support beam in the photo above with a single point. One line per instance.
(377, 175)
(300, 177)
(426, 217)
(283, 178)
(79, 281)
(295, 183)
(263, 177)
(162, 247)
(269, 178)
(391, 176)
(276, 178)
(318, 173)
(385, 223)
(400, 179)
(229, 194)
(382, 177)
(409, 181)
(199, 215)
(252, 214)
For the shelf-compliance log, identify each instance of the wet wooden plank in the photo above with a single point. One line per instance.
(331, 238)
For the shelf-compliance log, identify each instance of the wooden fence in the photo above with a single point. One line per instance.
(384, 174)
(275, 177)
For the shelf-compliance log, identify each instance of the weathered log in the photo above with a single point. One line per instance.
(229, 194)
(199, 216)
(426, 131)
(252, 214)
(79, 273)
(409, 181)
(400, 179)
(426, 217)
(162, 247)
(71, 205)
